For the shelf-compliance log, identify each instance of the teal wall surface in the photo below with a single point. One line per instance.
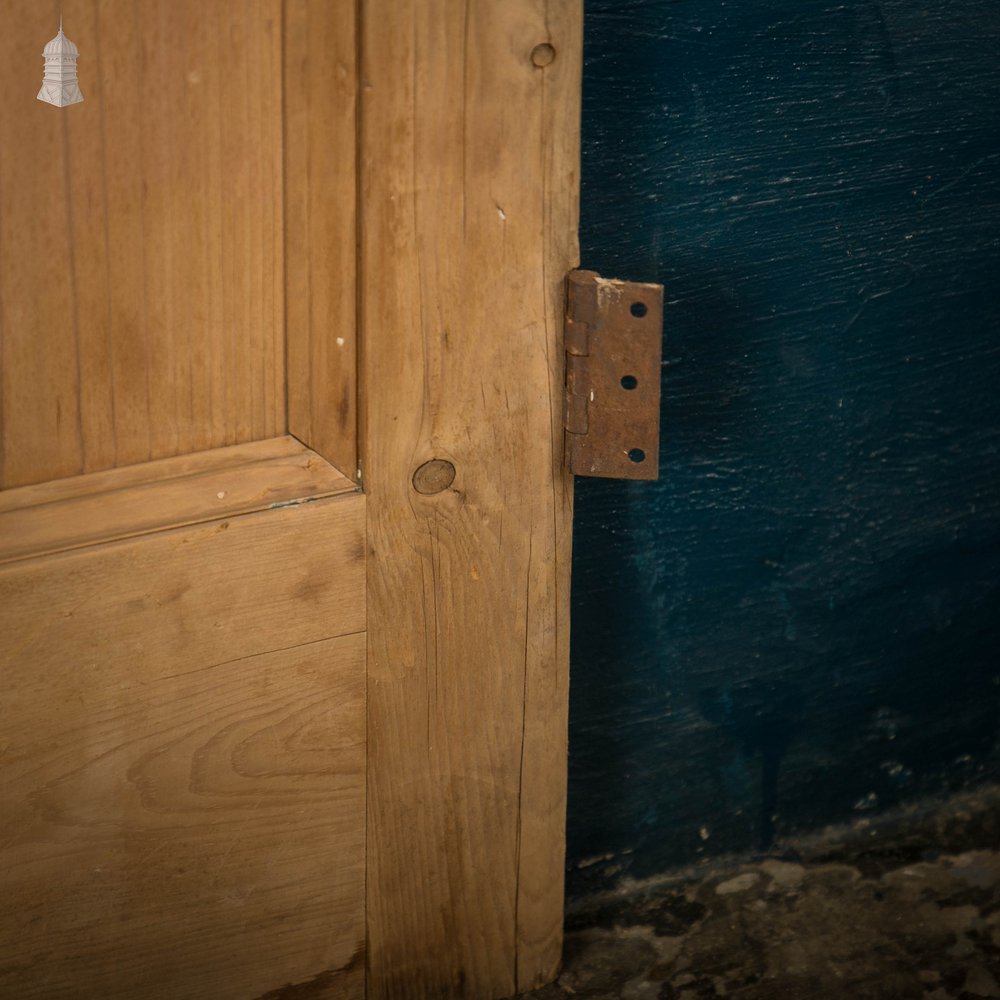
(799, 623)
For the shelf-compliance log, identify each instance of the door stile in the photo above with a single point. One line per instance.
(469, 177)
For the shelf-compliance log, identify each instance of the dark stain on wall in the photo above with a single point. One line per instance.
(800, 622)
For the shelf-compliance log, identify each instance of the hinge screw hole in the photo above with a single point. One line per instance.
(629, 381)
(637, 455)
(638, 309)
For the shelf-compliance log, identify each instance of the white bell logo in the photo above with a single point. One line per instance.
(60, 86)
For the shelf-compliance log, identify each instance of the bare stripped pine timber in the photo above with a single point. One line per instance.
(86, 227)
(469, 163)
(182, 762)
(541, 833)
(141, 253)
(40, 423)
(196, 463)
(118, 52)
(121, 503)
(321, 80)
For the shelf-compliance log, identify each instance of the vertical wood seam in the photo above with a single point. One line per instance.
(359, 312)
(516, 950)
(137, 22)
(360, 425)
(3, 342)
(283, 73)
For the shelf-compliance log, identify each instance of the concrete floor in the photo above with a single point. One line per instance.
(910, 909)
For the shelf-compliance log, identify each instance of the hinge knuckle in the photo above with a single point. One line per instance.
(577, 337)
(576, 402)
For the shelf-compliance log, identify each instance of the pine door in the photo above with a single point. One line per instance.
(284, 526)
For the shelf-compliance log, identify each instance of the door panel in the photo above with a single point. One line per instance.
(182, 766)
(149, 234)
(140, 255)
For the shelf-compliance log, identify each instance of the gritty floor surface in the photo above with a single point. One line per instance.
(853, 919)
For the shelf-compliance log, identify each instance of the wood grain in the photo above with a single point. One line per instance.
(141, 268)
(182, 762)
(155, 496)
(469, 173)
(320, 130)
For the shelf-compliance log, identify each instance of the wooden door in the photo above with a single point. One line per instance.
(265, 732)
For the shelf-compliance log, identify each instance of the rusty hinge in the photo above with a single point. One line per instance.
(613, 333)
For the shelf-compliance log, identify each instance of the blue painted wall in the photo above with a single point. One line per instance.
(800, 623)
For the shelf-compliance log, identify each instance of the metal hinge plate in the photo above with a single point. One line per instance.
(613, 346)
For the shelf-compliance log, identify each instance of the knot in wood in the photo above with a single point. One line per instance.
(542, 55)
(434, 476)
